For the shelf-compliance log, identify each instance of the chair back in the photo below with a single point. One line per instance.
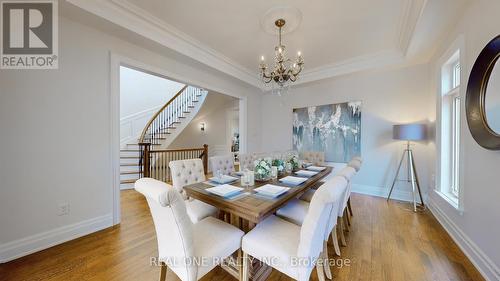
(313, 228)
(315, 157)
(186, 172)
(338, 188)
(223, 163)
(246, 161)
(173, 226)
(347, 173)
(355, 163)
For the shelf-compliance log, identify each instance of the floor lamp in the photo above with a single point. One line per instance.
(409, 132)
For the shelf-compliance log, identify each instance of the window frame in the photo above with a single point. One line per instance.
(450, 96)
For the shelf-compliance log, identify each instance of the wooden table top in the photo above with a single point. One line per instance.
(250, 206)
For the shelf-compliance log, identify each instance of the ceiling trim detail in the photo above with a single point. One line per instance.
(136, 19)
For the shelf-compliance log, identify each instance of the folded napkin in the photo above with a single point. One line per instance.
(316, 168)
(305, 173)
(271, 190)
(291, 180)
(224, 179)
(224, 190)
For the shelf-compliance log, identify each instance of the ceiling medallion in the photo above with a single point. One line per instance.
(284, 72)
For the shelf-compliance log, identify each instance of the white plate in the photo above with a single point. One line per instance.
(293, 180)
(271, 190)
(224, 190)
(305, 173)
(316, 168)
(224, 179)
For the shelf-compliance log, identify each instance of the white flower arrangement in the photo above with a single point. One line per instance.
(293, 161)
(263, 168)
(280, 165)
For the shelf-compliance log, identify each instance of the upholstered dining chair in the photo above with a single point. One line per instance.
(186, 172)
(278, 242)
(296, 210)
(246, 161)
(315, 157)
(189, 249)
(344, 220)
(223, 163)
(356, 163)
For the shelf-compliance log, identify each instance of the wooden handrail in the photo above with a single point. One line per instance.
(145, 130)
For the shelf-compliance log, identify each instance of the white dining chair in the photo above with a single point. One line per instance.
(247, 161)
(356, 163)
(223, 163)
(278, 243)
(344, 220)
(186, 172)
(189, 249)
(315, 157)
(295, 212)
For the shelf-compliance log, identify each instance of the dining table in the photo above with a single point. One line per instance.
(248, 208)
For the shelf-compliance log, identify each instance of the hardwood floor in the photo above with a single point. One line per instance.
(387, 241)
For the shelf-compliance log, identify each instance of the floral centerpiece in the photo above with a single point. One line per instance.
(293, 161)
(263, 169)
(280, 165)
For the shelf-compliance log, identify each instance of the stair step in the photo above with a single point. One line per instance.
(130, 157)
(128, 181)
(129, 172)
(129, 164)
(125, 186)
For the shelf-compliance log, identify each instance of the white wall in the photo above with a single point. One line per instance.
(389, 96)
(55, 142)
(477, 230)
(213, 113)
(140, 91)
(141, 96)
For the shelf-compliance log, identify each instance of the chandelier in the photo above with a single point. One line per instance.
(285, 71)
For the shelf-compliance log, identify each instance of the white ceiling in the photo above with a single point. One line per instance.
(335, 36)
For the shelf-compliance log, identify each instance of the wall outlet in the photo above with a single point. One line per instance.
(63, 209)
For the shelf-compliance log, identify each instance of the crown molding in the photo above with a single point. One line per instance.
(141, 22)
(136, 19)
(409, 19)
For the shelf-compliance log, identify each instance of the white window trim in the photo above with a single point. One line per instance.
(456, 203)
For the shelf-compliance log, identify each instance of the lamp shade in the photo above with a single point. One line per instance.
(409, 132)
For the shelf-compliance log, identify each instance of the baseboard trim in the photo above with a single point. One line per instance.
(397, 194)
(34, 243)
(479, 259)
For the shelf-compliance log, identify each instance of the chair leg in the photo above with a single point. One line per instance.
(346, 221)
(341, 233)
(163, 271)
(319, 269)
(239, 263)
(326, 263)
(245, 269)
(349, 206)
(335, 241)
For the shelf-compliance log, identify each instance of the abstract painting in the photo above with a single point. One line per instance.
(334, 129)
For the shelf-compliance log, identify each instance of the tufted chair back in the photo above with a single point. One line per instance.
(246, 161)
(347, 173)
(315, 157)
(356, 164)
(224, 163)
(316, 221)
(174, 229)
(186, 172)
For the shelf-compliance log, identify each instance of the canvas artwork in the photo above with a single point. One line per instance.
(333, 128)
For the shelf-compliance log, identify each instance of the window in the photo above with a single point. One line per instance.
(450, 116)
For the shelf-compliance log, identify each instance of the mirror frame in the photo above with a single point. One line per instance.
(476, 96)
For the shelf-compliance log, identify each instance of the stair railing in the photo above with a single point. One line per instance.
(160, 126)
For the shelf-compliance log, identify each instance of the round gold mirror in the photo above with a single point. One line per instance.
(483, 97)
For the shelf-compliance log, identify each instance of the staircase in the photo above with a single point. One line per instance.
(160, 131)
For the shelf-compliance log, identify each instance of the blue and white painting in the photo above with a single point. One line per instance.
(333, 128)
